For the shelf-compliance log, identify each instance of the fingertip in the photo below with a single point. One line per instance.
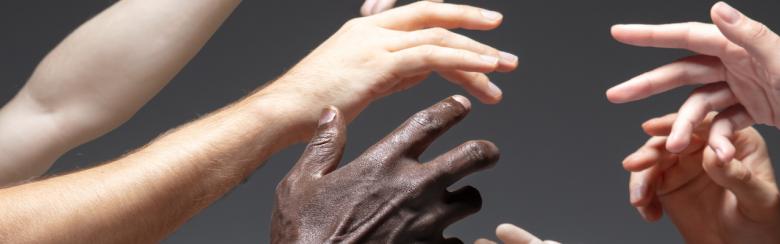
(614, 29)
(505, 229)
(367, 7)
(629, 163)
(328, 115)
(722, 12)
(484, 241)
(383, 5)
(722, 147)
(495, 94)
(616, 95)
(493, 17)
(636, 195)
(724, 152)
(620, 32)
(677, 143)
(463, 101)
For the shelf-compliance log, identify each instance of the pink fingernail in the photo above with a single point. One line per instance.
(493, 90)
(463, 101)
(327, 116)
(491, 15)
(720, 156)
(638, 193)
(508, 57)
(728, 13)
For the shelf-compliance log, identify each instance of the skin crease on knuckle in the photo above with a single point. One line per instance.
(375, 198)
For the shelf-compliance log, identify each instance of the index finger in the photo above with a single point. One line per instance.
(418, 132)
(425, 14)
(697, 37)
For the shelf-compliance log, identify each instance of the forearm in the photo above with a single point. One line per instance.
(109, 67)
(100, 75)
(145, 195)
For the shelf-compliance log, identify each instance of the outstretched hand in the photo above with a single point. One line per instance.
(372, 57)
(708, 200)
(385, 195)
(737, 64)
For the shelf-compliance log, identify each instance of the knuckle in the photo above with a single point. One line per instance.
(462, 10)
(760, 31)
(322, 139)
(439, 35)
(465, 56)
(426, 122)
(427, 51)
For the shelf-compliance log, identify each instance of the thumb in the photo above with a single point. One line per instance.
(755, 37)
(753, 196)
(324, 152)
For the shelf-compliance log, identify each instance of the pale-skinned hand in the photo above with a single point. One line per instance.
(737, 65)
(709, 201)
(371, 57)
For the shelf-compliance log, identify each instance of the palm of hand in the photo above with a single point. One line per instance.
(754, 84)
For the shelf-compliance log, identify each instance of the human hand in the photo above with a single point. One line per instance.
(371, 57)
(385, 195)
(736, 49)
(511, 234)
(709, 201)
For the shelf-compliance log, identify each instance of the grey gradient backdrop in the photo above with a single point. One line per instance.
(562, 142)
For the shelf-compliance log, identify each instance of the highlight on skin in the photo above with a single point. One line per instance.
(386, 194)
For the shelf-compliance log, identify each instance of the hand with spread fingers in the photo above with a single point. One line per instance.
(511, 234)
(708, 200)
(385, 195)
(737, 64)
(375, 56)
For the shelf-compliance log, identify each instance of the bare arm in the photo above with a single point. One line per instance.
(145, 195)
(101, 75)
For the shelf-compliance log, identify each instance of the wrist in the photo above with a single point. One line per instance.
(293, 112)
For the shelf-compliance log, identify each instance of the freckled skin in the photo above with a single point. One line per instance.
(385, 195)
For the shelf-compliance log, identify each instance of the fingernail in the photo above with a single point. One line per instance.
(489, 59)
(463, 101)
(368, 7)
(491, 15)
(636, 193)
(493, 90)
(508, 57)
(327, 116)
(719, 153)
(728, 13)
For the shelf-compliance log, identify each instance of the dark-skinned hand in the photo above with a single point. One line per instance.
(386, 195)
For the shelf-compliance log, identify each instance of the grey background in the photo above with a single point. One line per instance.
(562, 142)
